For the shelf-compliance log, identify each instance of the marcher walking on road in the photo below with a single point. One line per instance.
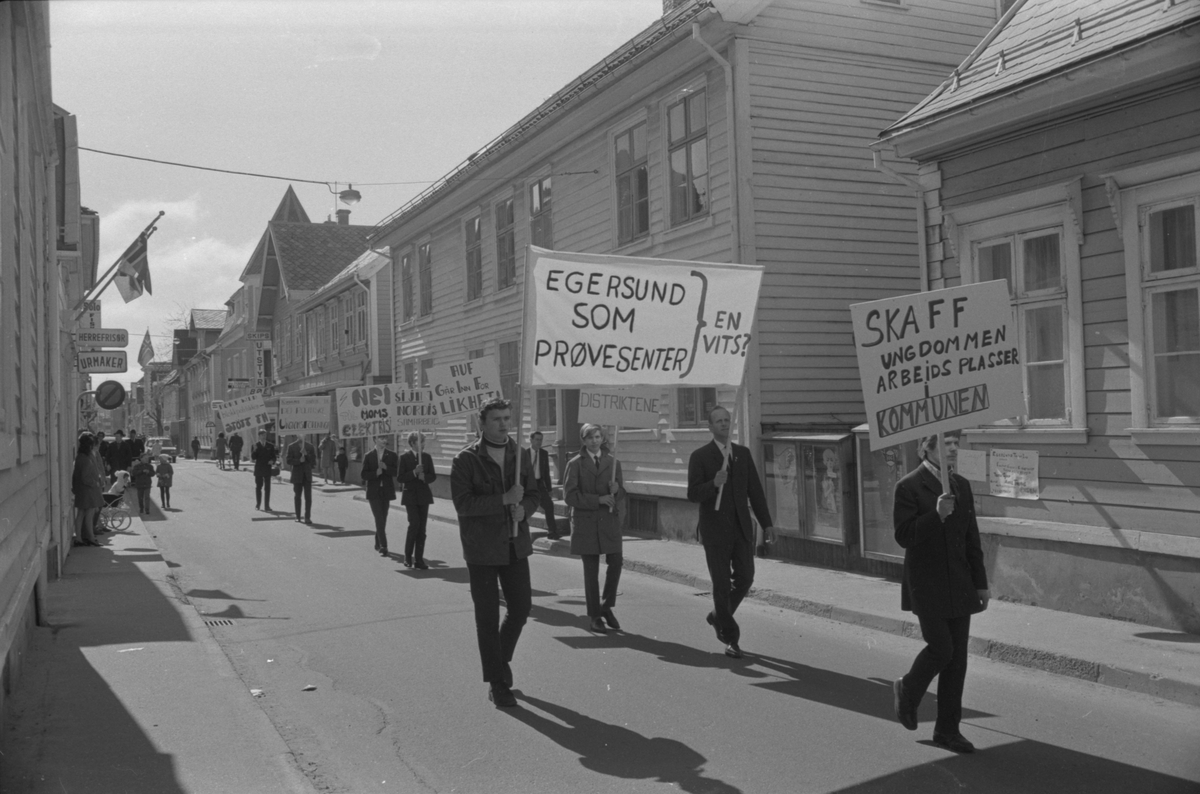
(301, 458)
(328, 453)
(592, 488)
(944, 583)
(416, 472)
(166, 473)
(235, 450)
(492, 495)
(264, 455)
(195, 447)
(342, 461)
(85, 486)
(379, 470)
(219, 450)
(541, 473)
(142, 475)
(722, 477)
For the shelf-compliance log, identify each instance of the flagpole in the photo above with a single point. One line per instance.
(100, 284)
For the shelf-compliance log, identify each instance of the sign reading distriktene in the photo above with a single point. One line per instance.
(304, 415)
(623, 407)
(243, 412)
(632, 321)
(101, 361)
(937, 361)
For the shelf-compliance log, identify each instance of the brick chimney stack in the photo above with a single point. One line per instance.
(343, 217)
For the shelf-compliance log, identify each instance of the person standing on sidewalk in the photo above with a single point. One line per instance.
(235, 450)
(195, 447)
(722, 477)
(944, 583)
(85, 485)
(166, 473)
(142, 475)
(328, 453)
(380, 466)
(219, 450)
(593, 486)
(541, 474)
(301, 458)
(264, 455)
(493, 493)
(342, 461)
(416, 472)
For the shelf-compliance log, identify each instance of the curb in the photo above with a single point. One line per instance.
(1145, 683)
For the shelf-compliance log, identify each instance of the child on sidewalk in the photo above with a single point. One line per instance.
(143, 477)
(166, 473)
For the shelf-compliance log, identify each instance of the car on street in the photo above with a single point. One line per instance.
(164, 445)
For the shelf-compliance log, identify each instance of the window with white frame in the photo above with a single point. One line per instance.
(547, 409)
(687, 157)
(425, 278)
(406, 287)
(311, 324)
(506, 253)
(510, 368)
(473, 238)
(322, 331)
(1162, 270)
(692, 406)
(426, 365)
(633, 184)
(541, 230)
(1031, 242)
(347, 302)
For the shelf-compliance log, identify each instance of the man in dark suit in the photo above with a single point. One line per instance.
(541, 473)
(722, 477)
(263, 454)
(944, 584)
(301, 457)
(416, 472)
(379, 470)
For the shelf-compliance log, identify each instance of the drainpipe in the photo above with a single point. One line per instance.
(730, 130)
(922, 216)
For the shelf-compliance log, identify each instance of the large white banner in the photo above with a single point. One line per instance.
(303, 414)
(464, 386)
(629, 321)
(624, 407)
(242, 413)
(937, 361)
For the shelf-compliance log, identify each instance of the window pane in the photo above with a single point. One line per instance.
(676, 125)
(624, 155)
(1172, 239)
(639, 142)
(1044, 334)
(697, 118)
(642, 220)
(1047, 399)
(1176, 317)
(700, 177)
(1042, 270)
(995, 263)
(679, 186)
(687, 407)
(1176, 321)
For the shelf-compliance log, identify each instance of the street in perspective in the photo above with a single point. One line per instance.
(542, 396)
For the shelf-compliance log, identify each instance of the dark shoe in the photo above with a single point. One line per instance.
(408, 562)
(376, 545)
(597, 625)
(308, 521)
(954, 742)
(905, 713)
(712, 621)
(553, 537)
(733, 651)
(611, 620)
(501, 694)
(383, 553)
(420, 564)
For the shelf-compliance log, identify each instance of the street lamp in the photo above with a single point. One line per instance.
(348, 196)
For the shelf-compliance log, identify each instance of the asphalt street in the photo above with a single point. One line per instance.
(369, 673)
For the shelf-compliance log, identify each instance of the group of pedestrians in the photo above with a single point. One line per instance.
(105, 470)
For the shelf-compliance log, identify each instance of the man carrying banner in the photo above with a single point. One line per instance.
(493, 492)
(301, 457)
(541, 474)
(722, 477)
(944, 584)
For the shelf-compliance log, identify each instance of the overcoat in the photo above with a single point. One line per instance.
(84, 483)
(416, 489)
(594, 528)
(263, 454)
(943, 561)
(380, 477)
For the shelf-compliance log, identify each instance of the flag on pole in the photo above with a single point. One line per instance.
(146, 354)
(133, 270)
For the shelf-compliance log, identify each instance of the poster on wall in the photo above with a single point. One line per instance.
(937, 361)
(1013, 473)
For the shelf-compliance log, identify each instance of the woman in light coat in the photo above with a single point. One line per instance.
(593, 487)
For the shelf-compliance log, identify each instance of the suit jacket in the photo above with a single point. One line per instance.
(263, 454)
(543, 466)
(301, 457)
(380, 476)
(477, 485)
(743, 492)
(943, 562)
(416, 489)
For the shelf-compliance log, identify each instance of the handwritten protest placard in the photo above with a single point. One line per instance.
(937, 361)
(383, 409)
(243, 412)
(303, 415)
(1013, 473)
(622, 407)
(628, 321)
(464, 386)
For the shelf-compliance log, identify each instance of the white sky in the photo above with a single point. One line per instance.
(335, 90)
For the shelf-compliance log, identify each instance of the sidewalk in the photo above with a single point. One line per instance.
(1131, 656)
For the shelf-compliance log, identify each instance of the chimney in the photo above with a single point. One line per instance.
(671, 6)
(343, 217)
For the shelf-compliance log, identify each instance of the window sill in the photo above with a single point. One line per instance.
(892, 6)
(684, 229)
(1029, 435)
(1165, 436)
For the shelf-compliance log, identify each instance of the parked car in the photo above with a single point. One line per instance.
(164, 445)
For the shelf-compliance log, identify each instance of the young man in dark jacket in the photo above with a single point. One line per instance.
(264, 455)
(493, 493)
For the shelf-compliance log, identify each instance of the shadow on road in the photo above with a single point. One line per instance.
(619, 752)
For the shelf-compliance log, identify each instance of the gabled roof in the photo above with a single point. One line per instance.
(208, 319)
(310, 254)
(1039, 39)
(365, 265)
(290, 210)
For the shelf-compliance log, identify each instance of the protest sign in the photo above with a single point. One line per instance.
(383, 409)
(243, 412)
(463, 387)
(303, 415)
(629, 321)
(622, 407)
(937, 361)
